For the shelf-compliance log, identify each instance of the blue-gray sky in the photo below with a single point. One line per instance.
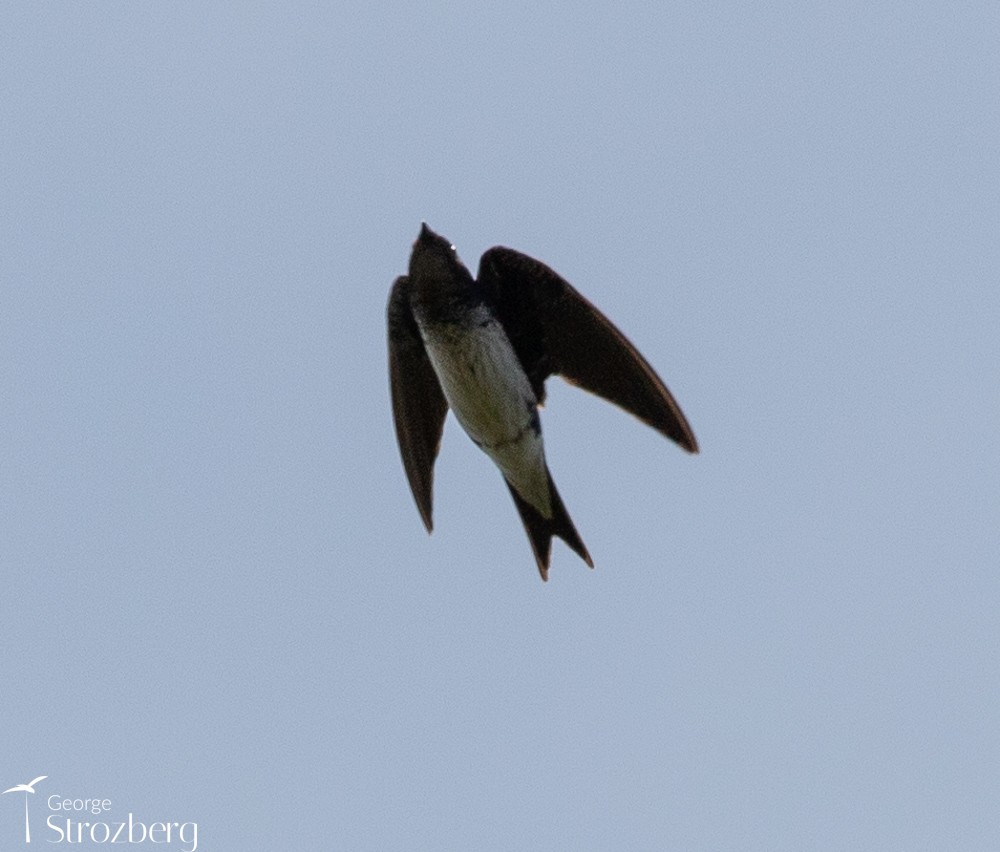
(218, 601)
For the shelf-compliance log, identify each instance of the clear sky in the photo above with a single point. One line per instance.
(218, 602)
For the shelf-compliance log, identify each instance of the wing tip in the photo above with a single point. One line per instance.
(425, 516)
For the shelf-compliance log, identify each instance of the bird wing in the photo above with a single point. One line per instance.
(554, 329)
(418, 403)
(39, 778)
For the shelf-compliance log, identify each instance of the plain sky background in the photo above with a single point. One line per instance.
(218, 601)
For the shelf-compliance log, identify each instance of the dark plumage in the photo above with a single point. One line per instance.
(485, 347)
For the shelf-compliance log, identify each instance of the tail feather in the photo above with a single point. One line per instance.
(540, 530)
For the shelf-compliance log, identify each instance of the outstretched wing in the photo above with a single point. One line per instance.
(39, 778)
(556, 330)
(418, 403)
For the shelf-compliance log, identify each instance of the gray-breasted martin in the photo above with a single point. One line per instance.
(484, 348)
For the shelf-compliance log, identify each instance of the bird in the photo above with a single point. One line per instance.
(483, 348)
(25, 788)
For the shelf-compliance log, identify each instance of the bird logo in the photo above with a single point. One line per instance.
(26, 788)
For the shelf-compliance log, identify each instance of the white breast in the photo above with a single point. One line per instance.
(492, 399)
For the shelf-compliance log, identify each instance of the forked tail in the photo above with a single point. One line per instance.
(540, 529)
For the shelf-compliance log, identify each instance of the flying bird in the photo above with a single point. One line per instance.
(484, 347)
(25, 788)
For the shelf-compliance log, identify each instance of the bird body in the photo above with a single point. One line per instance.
(483, 347)
(492, 399)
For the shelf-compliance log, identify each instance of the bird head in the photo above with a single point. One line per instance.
(434, 261)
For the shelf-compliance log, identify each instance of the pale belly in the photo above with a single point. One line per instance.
(492, 399)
